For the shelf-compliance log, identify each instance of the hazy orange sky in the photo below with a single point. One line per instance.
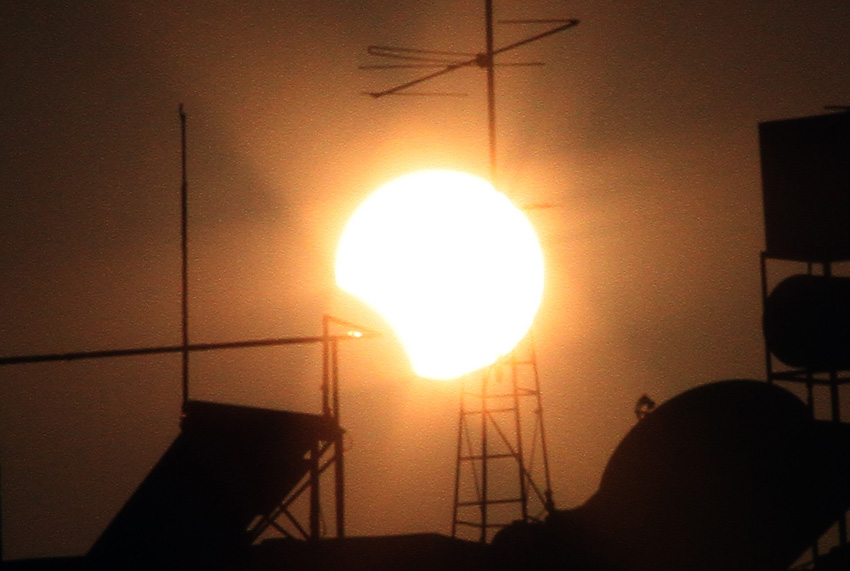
(641, 128)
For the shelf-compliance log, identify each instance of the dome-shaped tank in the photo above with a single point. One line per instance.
(733, 475)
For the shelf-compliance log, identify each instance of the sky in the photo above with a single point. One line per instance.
(641, 128)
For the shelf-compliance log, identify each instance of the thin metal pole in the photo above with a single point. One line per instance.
(339, 465)
(484, 378)
(491, 127)
(835, 401)
(833, 376)
(768, 364)
(1, 515)
(491, 88)
(314, 492)
(184, 249)
(523, 493)
(326, 407)
(491, 133)
(335, 378)
(810, 390)
(550, 502)
(461, 418)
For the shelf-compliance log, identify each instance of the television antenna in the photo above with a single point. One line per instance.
(447, 62)
(491, 407)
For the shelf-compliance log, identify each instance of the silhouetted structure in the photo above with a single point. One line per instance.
(805, 164)
(734, 475)
(229, 466)
(805, 169)
(502, 466)
(807, 323)
(805, 182)
(417, 552)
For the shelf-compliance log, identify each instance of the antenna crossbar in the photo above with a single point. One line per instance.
(432, 58)
(418, 54)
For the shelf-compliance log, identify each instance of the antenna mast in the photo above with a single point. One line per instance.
(447, 62)
(491, 87)
(184, 248)
(509, 385)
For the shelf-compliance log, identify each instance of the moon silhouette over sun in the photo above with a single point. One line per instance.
(451, 265)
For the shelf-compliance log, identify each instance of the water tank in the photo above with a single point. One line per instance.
(805, 170)
(806, 322)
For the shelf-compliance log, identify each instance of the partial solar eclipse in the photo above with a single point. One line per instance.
(450, 264)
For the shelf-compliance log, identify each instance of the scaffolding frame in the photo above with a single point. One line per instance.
(500, 475)
(321, 457)
(833, 379)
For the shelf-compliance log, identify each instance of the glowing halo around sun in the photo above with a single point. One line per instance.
(450, 263)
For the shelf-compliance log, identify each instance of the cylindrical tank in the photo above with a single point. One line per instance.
(806, 322)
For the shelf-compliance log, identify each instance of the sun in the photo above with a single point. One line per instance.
(450, 264)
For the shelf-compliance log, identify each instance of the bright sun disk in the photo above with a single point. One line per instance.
(450, 263)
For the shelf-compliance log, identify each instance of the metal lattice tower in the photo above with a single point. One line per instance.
(495, 481)
(502, 471)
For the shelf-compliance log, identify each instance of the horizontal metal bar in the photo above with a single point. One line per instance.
(402, 66)
(538, 21)
(479, 526)
(417, 94)
(337, 321)
(790, 374)
(493, 395)
(433, 65)
(394, 51)
(478, 502)
(527, 392)
(521, 391)
(488, 457)
(44, 358)
(520, 64)
(478, 411)
(769, 256)
(802, 377)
